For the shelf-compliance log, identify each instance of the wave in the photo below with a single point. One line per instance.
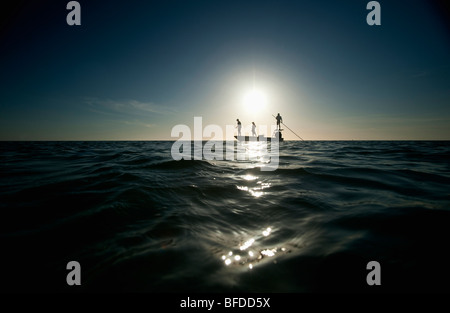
(182, 164)
(137, 220)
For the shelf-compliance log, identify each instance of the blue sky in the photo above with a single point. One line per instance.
(134, 70)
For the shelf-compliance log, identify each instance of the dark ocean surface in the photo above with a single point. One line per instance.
(137, 220)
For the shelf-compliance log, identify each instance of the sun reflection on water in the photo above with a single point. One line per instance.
(267, 231)
(254, 152)
(255, 251)
(247, 244)
(249, 177)
(256, 191)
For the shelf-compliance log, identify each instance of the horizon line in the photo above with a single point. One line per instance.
(206, 140)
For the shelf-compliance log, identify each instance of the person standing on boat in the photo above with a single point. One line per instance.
(254, 129)
(279, 120)
(239, 126)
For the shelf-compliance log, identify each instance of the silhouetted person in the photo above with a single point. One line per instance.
(254, 129)
(279, 120)
(239, 126)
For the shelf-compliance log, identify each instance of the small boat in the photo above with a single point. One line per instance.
(277, 135)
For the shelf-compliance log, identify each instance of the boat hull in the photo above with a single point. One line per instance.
(256, 138)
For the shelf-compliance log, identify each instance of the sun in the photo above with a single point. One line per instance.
(255, 100)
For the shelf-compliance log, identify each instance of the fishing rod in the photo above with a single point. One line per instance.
(290, 129)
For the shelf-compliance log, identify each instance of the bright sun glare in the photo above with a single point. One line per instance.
(255, 100)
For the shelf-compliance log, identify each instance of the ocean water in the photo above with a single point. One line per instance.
(138, 221)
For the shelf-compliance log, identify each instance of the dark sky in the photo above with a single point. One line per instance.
(135, 69)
